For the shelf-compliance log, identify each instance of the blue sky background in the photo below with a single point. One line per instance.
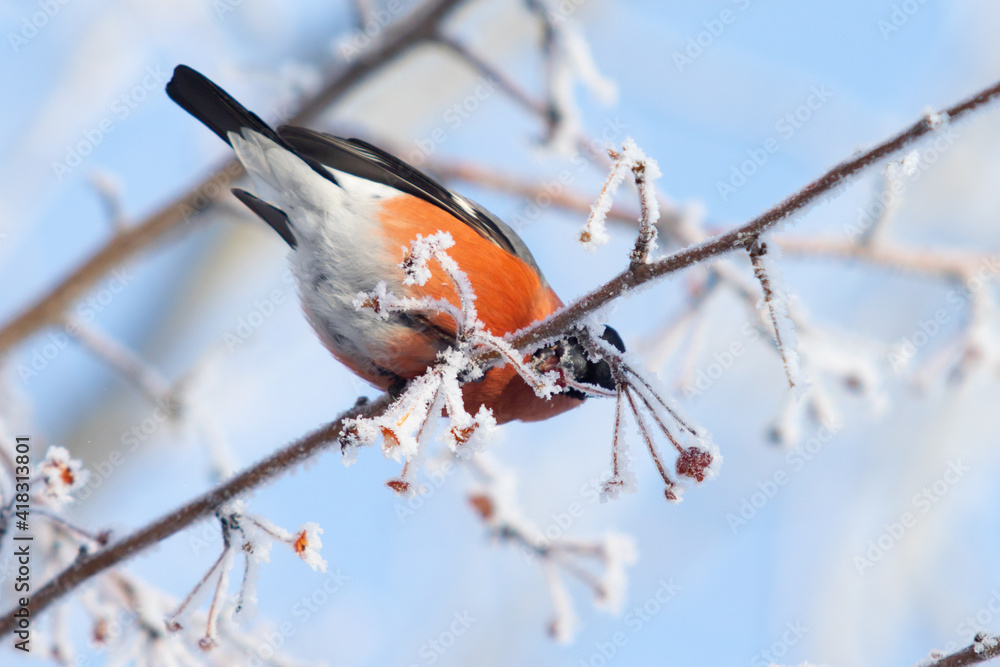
(792, 564)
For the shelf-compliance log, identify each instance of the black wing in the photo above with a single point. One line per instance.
(361, 159)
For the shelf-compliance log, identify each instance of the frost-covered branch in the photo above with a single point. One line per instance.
(765, 269)
(984, 647)
(109, 191)
(644, 171)
(252, 536)
(933, 262)
(567, 61)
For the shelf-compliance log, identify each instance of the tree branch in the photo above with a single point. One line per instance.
(421, 26)
(264, 471)
(746, 234)
(985, 647)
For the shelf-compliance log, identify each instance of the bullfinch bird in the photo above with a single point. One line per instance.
(347, 208)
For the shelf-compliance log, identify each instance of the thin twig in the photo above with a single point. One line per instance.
(777, 308)
(888, 195)
(486, 70)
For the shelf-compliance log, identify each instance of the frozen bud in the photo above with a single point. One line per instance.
(694, 462)
(482, 504)
(370, 302)
(62, 475)
(400, 486)
(100, 634)
(390, 438)
(307, 545)
(461, 435)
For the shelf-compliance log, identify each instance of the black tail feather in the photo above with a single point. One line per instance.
(272, 215)
(213, 106)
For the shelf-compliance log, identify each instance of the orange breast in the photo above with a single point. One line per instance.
(510, 295)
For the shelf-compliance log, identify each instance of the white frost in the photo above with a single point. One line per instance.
(776, 301)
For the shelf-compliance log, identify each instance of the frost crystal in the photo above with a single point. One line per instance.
(645, 170)
(620, 553)
(307, 546)
(408, 423)
(763, 255)
(62, 475)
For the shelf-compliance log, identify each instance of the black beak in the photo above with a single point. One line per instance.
(570, 357)
(599, 373)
